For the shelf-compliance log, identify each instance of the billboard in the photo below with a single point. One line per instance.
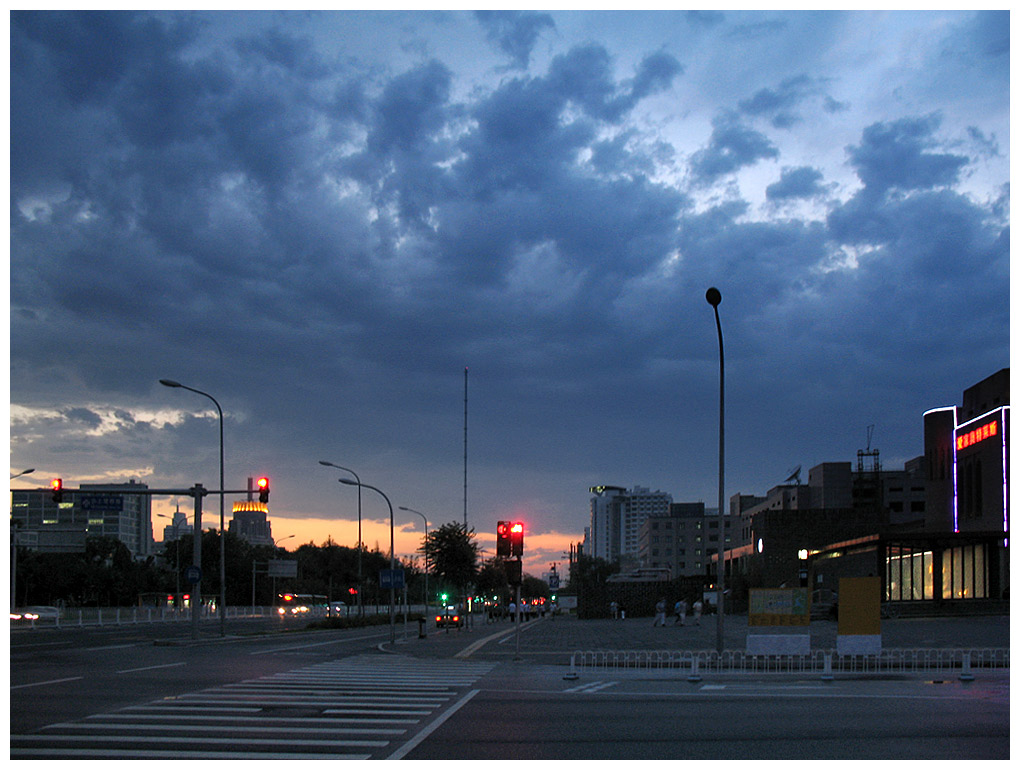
(779, 607)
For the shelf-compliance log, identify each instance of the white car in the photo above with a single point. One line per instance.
(36, 613)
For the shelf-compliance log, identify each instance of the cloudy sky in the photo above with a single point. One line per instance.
(322, 219)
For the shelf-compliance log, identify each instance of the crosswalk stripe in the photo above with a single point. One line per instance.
(367, 703)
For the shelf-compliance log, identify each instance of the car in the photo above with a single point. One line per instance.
(36, 613)
(337, 609)
(449, 616)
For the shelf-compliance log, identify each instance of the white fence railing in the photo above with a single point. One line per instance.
(61, 617)
(822, 662)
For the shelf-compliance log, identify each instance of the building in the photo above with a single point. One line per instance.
(683, 540)
(96, 510)
(966, 451)
(616, 518)
(180, 528)
(250, 522)
(937, 532)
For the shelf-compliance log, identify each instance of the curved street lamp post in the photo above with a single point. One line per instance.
(361, 609)
(223, 547)
(393, 596)
(714, 297)
(411, 510)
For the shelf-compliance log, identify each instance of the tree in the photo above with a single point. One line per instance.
(452, 555)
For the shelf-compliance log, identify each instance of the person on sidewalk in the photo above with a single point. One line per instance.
(680, 610)
(660, 613)
(697, 612)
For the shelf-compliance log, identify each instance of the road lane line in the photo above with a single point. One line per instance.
(51, 681)
(407, 747)
(150, 668)
(317, 644)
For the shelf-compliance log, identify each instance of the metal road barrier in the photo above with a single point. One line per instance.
(822, 662)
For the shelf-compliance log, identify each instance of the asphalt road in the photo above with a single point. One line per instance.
(489, 691)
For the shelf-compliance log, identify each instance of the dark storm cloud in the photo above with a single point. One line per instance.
(800, 182)
(779, 103)
(515, 32)
(732, 146)
(894, 155)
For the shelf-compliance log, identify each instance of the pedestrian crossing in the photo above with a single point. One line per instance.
(362, 707)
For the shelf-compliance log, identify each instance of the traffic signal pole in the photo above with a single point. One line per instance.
(197, 492)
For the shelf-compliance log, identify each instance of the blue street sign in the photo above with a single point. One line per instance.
(193, 573)
(101, 502)
(391, 578)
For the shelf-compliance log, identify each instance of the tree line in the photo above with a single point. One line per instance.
(105, 574)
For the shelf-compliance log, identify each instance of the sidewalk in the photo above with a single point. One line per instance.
(553, 641)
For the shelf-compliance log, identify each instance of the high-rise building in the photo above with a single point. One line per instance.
(616, 518)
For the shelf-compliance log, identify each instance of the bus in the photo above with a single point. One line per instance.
(301, 604)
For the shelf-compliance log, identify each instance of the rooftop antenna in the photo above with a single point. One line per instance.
(794, 476)
(871, 432)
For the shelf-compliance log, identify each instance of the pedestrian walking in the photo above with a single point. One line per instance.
(697, 612)
(614, 610)
(660, 613)
(513, 612)
(680, 610)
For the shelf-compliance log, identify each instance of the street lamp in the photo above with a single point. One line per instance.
(177, 560)
(411, 510)
(361, 609)
(714, 297)
(276, 544)
(14, 545)
(223, 547)
(393, 566)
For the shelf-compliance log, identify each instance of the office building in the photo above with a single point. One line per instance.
(617, 514)
(96, 510)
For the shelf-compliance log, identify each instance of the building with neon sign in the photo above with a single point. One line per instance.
(960, 553)
(967, 455)
(939, 536)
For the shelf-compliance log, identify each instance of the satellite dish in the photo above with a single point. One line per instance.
(794, 476)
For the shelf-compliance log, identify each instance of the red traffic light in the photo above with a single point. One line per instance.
(517, 538)
(502, 538)
(57, 485)
(263, 490)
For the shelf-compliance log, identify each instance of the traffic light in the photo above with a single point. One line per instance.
(502, 538)
(263, 490)
(517, 538)
(57, 485)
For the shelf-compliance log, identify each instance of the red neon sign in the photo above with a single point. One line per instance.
(970, 438)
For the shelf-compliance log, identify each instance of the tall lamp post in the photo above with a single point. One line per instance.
(714, 297)
(411, 510)
(223, 547)
(361, 609)
(393, 566)
(14, 545)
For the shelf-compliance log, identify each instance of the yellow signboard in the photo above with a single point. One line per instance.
(860, 606)
(779, 607)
